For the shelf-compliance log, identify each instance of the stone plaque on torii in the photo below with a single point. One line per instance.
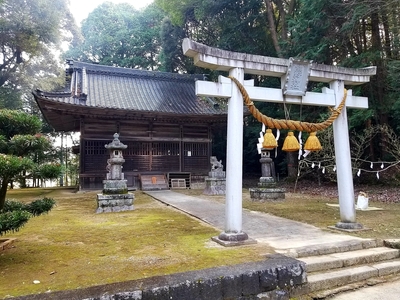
(238, 64)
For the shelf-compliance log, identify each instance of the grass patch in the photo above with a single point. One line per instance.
(73, 247)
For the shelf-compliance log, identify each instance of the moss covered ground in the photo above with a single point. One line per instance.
(73, 247)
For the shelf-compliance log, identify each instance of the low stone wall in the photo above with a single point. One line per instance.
(272, 279)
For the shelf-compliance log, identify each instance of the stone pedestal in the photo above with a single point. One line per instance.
(233, 239)
(215, 183)
(267, 194)
(267, 190)
(114, 203)
(115, 187)
(215, 186)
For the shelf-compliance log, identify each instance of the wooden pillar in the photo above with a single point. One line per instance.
(151, 146)
(81, 152)
(181, 154)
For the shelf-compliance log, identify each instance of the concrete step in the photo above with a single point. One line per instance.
(319, 281)
(329, 248)
(329, 293)
(350, 258)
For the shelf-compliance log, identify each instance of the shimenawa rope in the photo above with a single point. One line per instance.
(289, 124)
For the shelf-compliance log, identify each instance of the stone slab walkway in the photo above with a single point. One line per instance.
(281, 234)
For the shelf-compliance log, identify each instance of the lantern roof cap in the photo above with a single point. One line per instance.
(116, 143)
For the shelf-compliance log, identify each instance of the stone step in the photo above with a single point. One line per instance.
(154, 182)
(333, 279)
(154, 187)
(329, 248)
(329, 293)
(350, 258)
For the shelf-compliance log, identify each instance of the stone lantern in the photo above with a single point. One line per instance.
(115, 182)
(267, 190)
(115, 196)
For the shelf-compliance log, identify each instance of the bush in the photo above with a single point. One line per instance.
(12, 205)
(15, 214)
(13, 220)
(40, 206)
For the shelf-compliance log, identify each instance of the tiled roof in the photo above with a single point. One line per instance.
(108, 87)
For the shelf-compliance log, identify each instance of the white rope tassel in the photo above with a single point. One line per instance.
(301, 145)
(278, 134)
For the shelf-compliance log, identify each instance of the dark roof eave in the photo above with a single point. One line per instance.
(65, 117)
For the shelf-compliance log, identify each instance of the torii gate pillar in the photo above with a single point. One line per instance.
(237, 64)
(343, 164)
(234, 160)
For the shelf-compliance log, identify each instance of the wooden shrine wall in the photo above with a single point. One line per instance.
(152, 147)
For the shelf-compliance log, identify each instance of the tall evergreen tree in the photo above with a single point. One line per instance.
(20, 146)
(30, 33)
(120, 35)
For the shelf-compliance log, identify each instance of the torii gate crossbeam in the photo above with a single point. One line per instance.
(238, 64)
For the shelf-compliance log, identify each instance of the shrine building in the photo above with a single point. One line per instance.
(167, 128)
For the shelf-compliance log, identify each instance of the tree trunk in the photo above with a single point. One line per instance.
(282, 14)
(364, 34)
(380, 80)
(272, 27)
(3, 192)
(395, 32)
(386, 30)
(292, 164)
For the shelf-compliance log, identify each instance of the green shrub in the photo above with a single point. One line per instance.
(15, 214)
(40, 206)
(13, 220)
(12, 205)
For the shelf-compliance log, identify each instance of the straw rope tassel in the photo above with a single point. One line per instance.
(291, 144)
(312, 143)
(269, 140)
(289, 124)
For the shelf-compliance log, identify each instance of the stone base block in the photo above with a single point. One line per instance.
(267, 183)
(115, 202)
(233, 239)
(215, 186)
(349, 227)
(267, 194)
(198, 185)
(217, 174)
(267, 180)
(115, 186)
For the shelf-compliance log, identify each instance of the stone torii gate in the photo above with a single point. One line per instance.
(237, 64)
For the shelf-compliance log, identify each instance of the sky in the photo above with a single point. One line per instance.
(81, 8)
